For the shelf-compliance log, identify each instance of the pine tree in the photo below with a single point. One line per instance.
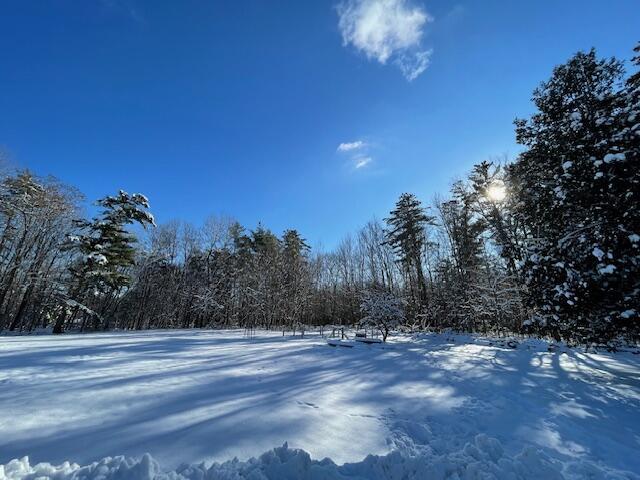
(406, 234)
(494, 202)
(106, 250)
(464, 229)
(294, 274)
(621, 198)
(463, 270)
(575, 187)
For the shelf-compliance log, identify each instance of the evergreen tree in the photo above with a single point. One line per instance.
(620, 200)
(106, 250)
(406, 234)
(294, 275)
(576, 185)
(462, 269)
(464, 230)
(494, 202)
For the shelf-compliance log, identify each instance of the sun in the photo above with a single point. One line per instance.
(496, 192)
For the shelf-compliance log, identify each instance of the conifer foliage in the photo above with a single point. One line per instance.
(577, 190)
(106, 253)
(406, 234)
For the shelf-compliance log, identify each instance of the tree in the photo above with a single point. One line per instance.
(494, 200)
(35, 216)
(461, 269)
(406, 234)
(620, 197)
(106, 252)
(382, 310)
(464, 230)
(576, 185)
(295, 278)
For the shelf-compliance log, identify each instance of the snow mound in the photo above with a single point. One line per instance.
(482, 459)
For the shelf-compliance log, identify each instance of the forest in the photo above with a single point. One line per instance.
(546, 244)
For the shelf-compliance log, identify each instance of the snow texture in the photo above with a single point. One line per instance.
(599, 254)
(431, 406)
(614, 157)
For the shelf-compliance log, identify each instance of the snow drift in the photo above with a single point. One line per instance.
(482, 459)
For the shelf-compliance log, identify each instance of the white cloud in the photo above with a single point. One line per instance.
(349, 146)
(413, 65)
(362, 161)
(357, 152)
(387, 29)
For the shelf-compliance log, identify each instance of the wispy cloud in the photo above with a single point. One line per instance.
(387, 30)
(362, 161)
(357, 152)
(349, 146)
(413, 65)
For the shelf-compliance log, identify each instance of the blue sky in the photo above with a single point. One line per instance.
(240, 107)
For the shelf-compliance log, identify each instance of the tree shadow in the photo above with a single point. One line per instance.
(192, 396)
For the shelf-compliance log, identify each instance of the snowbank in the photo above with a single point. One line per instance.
(482, 459)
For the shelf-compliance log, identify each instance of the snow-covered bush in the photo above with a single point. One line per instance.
(382, 310)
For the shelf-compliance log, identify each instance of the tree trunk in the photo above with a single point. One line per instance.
(57, 329)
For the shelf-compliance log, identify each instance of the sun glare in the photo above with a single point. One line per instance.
(496, 192)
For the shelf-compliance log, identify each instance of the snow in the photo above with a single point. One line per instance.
(614, 157)
(607, 269)
(576, 120)
(431, 406)
(97, 258)
(598, 253)
(483, 457)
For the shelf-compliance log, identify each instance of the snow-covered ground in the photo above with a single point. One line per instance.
(442, 405)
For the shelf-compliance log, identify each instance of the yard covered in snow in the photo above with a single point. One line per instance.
(434, 406)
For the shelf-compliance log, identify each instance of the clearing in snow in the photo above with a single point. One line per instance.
(432, 406)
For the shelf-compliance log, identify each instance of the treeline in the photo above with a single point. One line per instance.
(548, 244)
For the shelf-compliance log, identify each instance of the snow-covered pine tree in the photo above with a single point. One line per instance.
(406, 233)
(106, 252)
(575, 189)
(463, 230)
(294, 275)
(620, 201)
(261, 279)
